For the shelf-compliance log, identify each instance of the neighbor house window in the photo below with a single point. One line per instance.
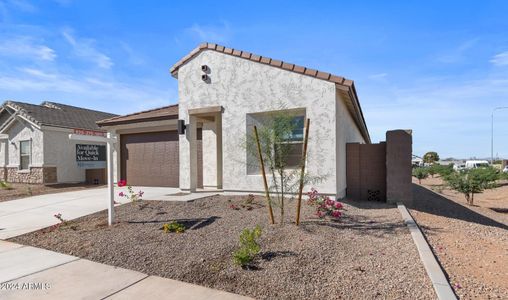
(293, 143)
(24, 155)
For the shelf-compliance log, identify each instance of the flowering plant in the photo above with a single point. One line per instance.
(60, 218)
(130, 195)
(325, 206)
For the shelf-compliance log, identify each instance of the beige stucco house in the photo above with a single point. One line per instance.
(222, 93)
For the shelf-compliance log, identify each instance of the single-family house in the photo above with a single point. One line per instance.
(35, 145)
(222, 93)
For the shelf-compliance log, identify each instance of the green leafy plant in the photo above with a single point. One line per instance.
(420, 173)
(471, 182)
(249, 247)
(430, 157)
(173, 227)
(279, 137)
(130, 195)
(29, 190)
(5, 186)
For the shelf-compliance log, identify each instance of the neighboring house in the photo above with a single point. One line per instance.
(223, 92)
(35, 145)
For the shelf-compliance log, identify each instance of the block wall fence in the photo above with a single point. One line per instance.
(381, 172)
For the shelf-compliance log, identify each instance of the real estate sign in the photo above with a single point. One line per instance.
(91, 156)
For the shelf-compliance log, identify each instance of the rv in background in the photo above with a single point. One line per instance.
(475, 164)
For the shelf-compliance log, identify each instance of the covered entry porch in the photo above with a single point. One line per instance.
(204, 158)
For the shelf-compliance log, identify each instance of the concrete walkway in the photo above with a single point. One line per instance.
(32, 213)
(33, 273)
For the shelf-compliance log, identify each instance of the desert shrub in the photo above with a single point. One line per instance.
(173, 227)
(440, 170)
(5, 186)
(420, 173)
(325, 206)
(130, 195)
(249, 246)
(471, 182)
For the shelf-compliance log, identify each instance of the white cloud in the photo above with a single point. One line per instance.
(85, 48)
(500, 59)
(211, 33)
(26, 47)
(122, 97)
(459, 53)
(378, 76)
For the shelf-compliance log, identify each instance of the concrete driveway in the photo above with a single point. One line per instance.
(32, 213)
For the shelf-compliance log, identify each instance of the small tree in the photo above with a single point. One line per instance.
(420, 173)
(472, 182)
(430, 157)
(276, 140)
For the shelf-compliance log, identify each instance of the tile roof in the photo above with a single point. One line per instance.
(59, 115)
(161, 113)
(345, 86)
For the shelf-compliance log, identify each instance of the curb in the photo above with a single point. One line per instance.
(441, 285)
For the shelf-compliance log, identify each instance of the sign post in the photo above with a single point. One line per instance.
(91, 153)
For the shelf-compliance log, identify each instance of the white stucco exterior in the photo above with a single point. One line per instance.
(23, 131)
(50, 147)
(241, 87)
(60, 152)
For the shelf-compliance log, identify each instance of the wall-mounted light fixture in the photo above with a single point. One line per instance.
(181, 126)
(205, 68)
(205, 77)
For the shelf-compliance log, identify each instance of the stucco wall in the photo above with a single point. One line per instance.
(60, 151)
(242, 87)
(346, 132)
(22, 131)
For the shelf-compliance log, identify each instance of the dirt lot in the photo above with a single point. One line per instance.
(21, 190)
(471, 242)
(369, 254)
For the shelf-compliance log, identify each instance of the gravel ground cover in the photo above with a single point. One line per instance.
(470, 243)
(368, 254)
(22, 190)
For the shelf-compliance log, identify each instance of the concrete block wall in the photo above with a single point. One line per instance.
(366, 171)
(381, 171)
(399, 145)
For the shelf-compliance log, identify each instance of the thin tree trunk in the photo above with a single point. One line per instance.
(304, 156)
(262, 165)
(282, 197)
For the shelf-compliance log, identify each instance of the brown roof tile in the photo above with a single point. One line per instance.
(161, 113)
(341, 83)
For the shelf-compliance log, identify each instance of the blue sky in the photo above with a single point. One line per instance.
(437, 67)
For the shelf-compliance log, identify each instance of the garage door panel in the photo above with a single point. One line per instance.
(150, 159)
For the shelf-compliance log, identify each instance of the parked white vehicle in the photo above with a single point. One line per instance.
(475, 164)
(459, 167)
(505, 170)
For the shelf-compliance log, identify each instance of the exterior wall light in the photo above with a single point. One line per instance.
(181, 126)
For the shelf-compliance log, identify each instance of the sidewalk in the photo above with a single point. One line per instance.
(33, 273)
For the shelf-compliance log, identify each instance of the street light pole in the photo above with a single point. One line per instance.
(492, 133)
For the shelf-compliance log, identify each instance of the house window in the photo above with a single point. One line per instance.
(293, 143)
(24, 155)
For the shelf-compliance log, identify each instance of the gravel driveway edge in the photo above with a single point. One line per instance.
(439, 281)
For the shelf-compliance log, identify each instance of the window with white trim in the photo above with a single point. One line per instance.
(25, 153)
